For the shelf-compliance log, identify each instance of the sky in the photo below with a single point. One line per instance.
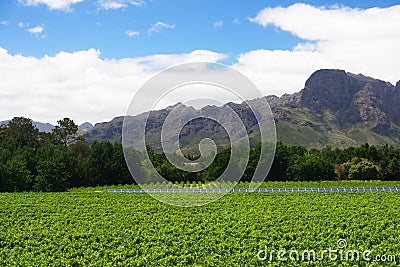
(85, 59)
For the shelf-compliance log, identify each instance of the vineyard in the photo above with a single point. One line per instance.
(90, 227)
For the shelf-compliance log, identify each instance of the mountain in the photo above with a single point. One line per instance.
(334, 107)
(85, 126)
(341, 109)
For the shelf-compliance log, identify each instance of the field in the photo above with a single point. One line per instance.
(85, 227)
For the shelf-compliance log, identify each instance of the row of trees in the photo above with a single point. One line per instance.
(56, 161)
(296, 163)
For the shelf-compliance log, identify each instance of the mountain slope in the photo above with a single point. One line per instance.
(342, 109)
(335, 107)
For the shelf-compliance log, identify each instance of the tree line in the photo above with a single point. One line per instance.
(58, 160)
(61, 159)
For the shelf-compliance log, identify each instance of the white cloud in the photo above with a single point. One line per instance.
(37, 30)
(335, 23)
(137, 3)
(118, 4)
(79, 85)
(85, 87)
(159, 26)
(64, 5)
(131, 33)
(21, 25)
(4, 22)
(107, 4)
(236, 21)
(356, 40)
(279, 71)
(218, 24)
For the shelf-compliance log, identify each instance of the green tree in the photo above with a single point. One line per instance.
(16, 176)
(218, 166)
(48, 138)
(52, 176)
(282, 160)
(120, 171)
(392, 170)
(311, 168)
(82, 169)
(3, 133)
(363, 170)
(21, 132)
(102, 154)
(66, 131)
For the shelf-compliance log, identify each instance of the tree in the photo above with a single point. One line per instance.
(101, 157)
(3, 133)
(254, 157)
(82, 169)
(121, 174)
(169, 172)
(16, 176)
(392, 170)
(340, 172)
(52, 176)
(66, 131)
(134, 159)
(21, 132)
(218, 166)
(80, 148)
(311, 168)
(363, 170)
(48, 138)
(281, 162)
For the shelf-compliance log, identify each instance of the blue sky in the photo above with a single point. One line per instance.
(85, 58)
(220, 26)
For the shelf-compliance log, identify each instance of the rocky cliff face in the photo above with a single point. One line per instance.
(353, 100)
(327, 89)
(334, 107)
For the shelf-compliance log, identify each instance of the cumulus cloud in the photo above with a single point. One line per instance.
(276, 72)
(131, 33)
(37, 30)
(79, 85)
(118, 4)
(357, 40)
(218, 24)
(159, 26)
(85, 87)
(331, 23)
(64, 5)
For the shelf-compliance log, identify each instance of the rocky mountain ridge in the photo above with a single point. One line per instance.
(334, 107)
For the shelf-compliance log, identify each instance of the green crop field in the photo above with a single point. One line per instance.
(90, 227)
